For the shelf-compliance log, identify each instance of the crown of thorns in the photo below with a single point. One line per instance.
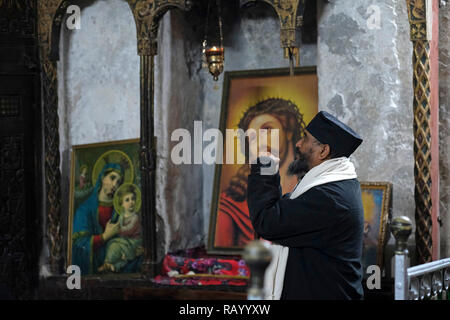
(276, 106)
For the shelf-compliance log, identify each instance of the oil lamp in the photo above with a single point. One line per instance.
(214, 57)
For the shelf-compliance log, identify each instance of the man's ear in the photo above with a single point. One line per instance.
(325, 152)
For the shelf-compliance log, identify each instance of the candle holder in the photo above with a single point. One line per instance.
(215, 58)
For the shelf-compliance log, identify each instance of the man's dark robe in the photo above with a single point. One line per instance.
(323, 229)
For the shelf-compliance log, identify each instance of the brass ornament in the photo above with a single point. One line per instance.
(420, 19)
(401, 228)
(213, 57)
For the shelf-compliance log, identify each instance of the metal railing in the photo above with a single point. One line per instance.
(428, 281)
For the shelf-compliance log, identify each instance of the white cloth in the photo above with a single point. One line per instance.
(328, 171)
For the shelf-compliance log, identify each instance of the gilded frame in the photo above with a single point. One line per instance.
(382, 217)
(130, 147)
(229, 77)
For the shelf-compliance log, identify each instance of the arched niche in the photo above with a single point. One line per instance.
(147, 15)
(98, 83)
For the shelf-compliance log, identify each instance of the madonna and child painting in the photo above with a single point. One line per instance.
(105, 231)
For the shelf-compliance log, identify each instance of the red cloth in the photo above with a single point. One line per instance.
(104, 215)
(135, 230)
(206, 269)
(233, 227)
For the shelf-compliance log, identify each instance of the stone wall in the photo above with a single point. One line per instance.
(178, 97)
(365, 78)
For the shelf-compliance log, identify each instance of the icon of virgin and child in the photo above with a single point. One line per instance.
(107, 232)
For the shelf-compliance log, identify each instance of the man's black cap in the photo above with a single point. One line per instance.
(326, 128)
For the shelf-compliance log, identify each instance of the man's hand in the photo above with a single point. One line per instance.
(111, 230)
(269, 163)
(264, 155)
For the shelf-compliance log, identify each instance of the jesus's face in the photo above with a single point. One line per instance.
(269, 122)
(129, 202)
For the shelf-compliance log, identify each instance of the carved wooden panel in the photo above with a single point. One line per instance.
(9, 106)
(19, 140)
(18, 17)
(13, 248)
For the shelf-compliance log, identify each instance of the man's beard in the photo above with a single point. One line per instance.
(299, 166)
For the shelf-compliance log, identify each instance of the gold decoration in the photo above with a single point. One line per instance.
(422, 149)
(215, 58)
(147, 14)
(419, 14)
(420, 31)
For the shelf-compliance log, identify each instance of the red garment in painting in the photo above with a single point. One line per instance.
(131, 228)
(104, 215)
(233, 227)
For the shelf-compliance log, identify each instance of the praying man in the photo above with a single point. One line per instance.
(316, 231)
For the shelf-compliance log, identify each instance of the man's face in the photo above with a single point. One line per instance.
(268, 122)
(110, 183)
(307, 149)
(299, 166)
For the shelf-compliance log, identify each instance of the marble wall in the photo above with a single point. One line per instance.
(178, 97)
(365, 78)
